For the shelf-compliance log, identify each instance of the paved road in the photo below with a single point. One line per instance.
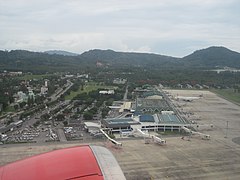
(58, 93)
(61, 135)
(125, 95)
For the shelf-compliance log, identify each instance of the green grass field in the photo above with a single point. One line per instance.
(29, 76)
(228, 94)
(9, 109)
(88, 88)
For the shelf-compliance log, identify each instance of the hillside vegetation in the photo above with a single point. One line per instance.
(36, 61)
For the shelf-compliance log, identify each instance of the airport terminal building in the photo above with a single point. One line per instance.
(150, 111)
(155, 122)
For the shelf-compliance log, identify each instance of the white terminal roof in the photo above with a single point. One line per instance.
(92, 124)
(126, 105)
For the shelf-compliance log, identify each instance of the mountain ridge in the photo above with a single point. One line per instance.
(61, 52)
(222, 56)
(204, 58)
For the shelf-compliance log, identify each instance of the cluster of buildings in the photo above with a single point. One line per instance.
(23, 97)
(155, 122)
(150, 111)
(44, 89)
(119, 81)
(11, 73)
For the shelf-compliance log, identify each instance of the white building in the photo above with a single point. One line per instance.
(44, 90)
(22, 97)
(82, 76)
(108, 92)
(69, 75)
(46, 82)
(155, 122)
(92, 127)
(119, 81)
(16, 73)
(31, 94)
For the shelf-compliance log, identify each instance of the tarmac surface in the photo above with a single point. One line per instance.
(217, 158)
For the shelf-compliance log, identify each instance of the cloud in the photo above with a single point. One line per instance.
(167, 26)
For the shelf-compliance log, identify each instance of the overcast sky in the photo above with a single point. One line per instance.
(170, 27)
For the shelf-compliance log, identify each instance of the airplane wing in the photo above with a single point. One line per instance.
(82, 162)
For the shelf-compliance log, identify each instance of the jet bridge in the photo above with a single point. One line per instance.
(148, 136)
(202, 135)
(110, 139)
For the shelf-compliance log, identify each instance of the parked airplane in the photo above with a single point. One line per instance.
(186, 98)
(82, 162)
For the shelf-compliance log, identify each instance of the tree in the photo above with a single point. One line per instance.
(75, 116)
(45, 117)
(22, 104)
(66, 111)
(36, 123)
(4, 100)
(109, 102)
(16, 106)
(129, 96)
(88, 115)
(9, 121)
(105, 112)
(60, 117)
(93, 110)
(89, 101)
(11, 99)
(30, 101)
(99, 103)
(61, 97)
(65, 123)
(94, 94)
(39, 99)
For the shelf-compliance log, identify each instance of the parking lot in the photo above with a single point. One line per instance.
(31, 134)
